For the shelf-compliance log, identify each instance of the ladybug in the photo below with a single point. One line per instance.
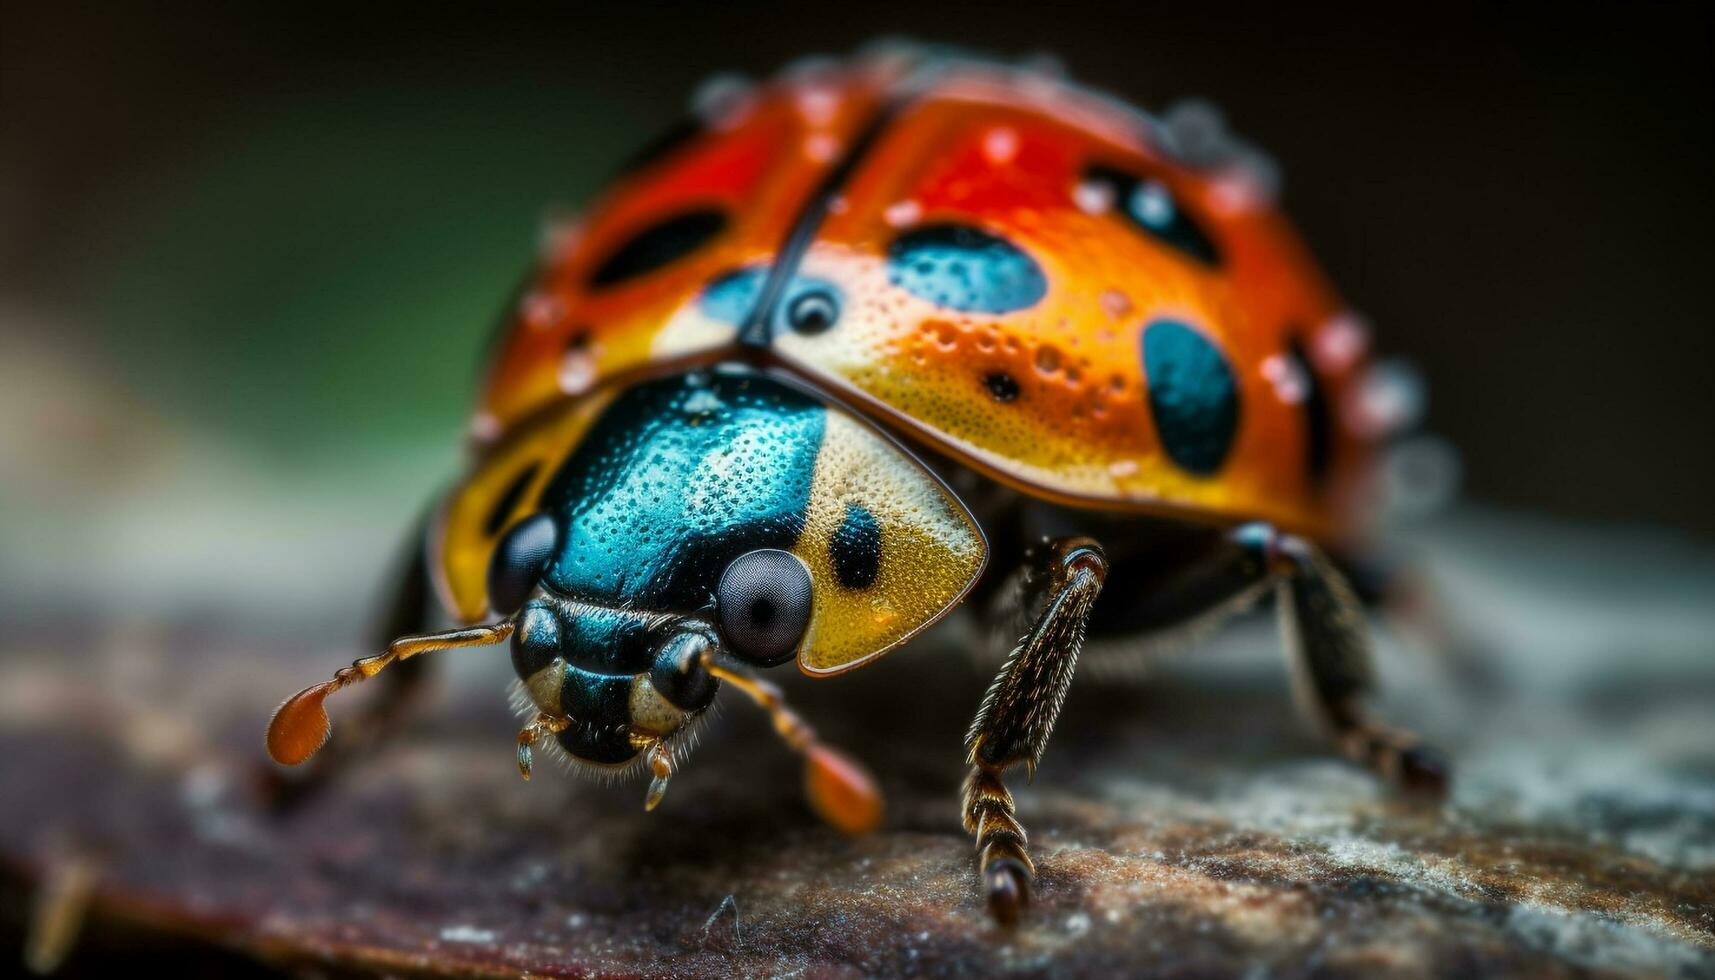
(883, 336)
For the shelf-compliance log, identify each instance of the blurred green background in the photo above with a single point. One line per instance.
(249, 257)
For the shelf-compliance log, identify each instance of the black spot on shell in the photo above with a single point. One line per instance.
(509, 500)
(1003, 386)
(659, 245)
(965, 268)
(812, 312)
(1150, 207)
(1318, 422)
(855, 548)
(1193, 396)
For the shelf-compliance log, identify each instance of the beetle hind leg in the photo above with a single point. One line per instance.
(1325, 633)
(1002, 855)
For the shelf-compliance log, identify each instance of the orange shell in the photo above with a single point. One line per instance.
(829, 164)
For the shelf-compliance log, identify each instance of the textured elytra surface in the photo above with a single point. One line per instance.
(1187, 826)
(976, 251)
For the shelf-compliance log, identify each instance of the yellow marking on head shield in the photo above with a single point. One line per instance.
(868, 491)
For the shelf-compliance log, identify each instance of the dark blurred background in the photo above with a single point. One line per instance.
(287, 231)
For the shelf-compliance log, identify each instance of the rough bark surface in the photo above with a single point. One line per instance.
(1186, 825)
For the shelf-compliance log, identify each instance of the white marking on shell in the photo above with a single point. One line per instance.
(822, 147)
(1391, 398)
(542, 311)
(1342, 339)
(577, 371)
(1093, 196)
(902, 214)
(1000, 145)
(818, 104)
(1287, 378)
(484, 428)
(1235, 193)
(1116, 303)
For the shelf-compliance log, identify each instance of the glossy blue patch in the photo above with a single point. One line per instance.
(676, 479)
(1192, 396)
(732, 298)
(732, 295)
(964, 268)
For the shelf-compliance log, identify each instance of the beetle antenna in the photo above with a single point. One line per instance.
(300, 726)
(839, 788)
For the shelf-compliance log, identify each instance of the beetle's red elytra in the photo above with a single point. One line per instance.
(873, 340)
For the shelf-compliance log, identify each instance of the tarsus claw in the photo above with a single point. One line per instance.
(1008, 886)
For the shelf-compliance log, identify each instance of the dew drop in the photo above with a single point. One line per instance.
(1093, 196)
(1116, 304)
(1341, 341)
(1283, 373)
(822, 148)
(543, 311)
(1048, 359)
(901, 214)
(1000, 145)
(485, 427)
(577, 371)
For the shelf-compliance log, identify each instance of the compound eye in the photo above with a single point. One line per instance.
(763, 605)
(518, 562)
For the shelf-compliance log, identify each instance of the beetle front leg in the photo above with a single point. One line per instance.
(1018, 713)
(408, 612)
(837, 786)
(545, 724)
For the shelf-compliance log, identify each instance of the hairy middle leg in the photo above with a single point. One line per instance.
(1324, 630)
(1063, 579)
